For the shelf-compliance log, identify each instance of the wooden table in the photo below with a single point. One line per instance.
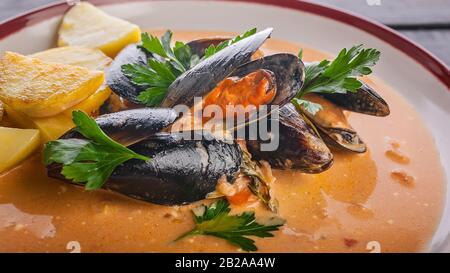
(425, 21)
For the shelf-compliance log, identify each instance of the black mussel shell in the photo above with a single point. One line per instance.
(365, 100)
(180, 171)
(203, 77)
(131, 126)
(288, 71)
(117, 81)
(299, 146)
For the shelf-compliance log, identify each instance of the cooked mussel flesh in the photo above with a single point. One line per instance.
(333, 126)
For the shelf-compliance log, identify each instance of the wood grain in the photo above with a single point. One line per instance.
(437, 41)
(10, 8)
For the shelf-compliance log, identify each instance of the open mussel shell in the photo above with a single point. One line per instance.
(288, 71)
(299, 146)
(343, 138)
(117, 81)
(203, 77)
(333, 126)
(131, 126)
(365, 100)
(181, 171)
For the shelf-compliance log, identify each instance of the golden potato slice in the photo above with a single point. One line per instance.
(50, 128)
(54, 127)
(88, 26)
(41, 89)
(92, 104)
(17, 144)
(90, 58)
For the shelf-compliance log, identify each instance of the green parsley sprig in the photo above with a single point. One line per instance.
(167, 65)
(337, 76)
(212, 49)
(215, 220)
(88, 161)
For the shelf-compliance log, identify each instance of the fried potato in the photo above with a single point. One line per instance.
(90, 58)
(17, 144)
(41, 89)
(54, 127)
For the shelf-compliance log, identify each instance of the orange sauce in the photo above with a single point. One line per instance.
(355, 206)
(255, 89)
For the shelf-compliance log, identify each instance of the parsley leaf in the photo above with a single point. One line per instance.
(212, 49)
(309, 106)
(157, 77)
(156, 74)
(153, 96)
(166, 65)
(162, 48)
(337, 76)
(215, 220)
(88, 161)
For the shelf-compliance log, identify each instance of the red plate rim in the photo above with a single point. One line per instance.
(395, 39)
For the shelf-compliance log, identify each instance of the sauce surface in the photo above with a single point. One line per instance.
(389, 198)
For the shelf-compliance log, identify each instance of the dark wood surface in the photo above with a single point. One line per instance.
(424, 21)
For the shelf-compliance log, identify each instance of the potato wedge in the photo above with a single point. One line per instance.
(92, 104)
(54, 127)
(41, 89)
(88, 26)
(17, 144)
(51, 128)
(90, 58)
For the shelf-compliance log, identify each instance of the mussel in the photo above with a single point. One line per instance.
(213, 69)
(333, 126)
(284, 75)
(131, 126)
(180, 170)
(365, 100)
(332, 123)
(117, 81)
(299, 145)
(205, 76)
(288, 75)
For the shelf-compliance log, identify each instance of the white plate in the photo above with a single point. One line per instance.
(422, 79)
